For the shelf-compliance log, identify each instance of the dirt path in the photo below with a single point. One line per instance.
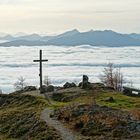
(65, 133)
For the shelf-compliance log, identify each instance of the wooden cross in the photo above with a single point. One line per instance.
(40, 62)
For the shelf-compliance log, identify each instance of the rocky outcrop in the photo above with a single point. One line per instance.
(85, 84)
(25, 89)
(69, 85)
(49, 88)
(29, 88)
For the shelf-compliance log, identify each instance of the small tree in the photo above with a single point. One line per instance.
(20, 84)
(47, 81)
(112, 77)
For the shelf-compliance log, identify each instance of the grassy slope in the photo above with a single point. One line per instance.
(93, 123)
(87, 97)
(121, 101)
(99, 96)
(20, 118)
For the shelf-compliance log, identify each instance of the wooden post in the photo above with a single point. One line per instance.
(40, 71)
(40, 68)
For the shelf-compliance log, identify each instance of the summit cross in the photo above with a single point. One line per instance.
(40, 65)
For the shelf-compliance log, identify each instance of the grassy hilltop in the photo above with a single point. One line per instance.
(89, 113)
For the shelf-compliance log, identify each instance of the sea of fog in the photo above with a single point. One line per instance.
(66, 64)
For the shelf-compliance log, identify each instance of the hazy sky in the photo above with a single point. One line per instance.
(55, 16)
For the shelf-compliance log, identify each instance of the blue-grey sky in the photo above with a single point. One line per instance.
(55, 16)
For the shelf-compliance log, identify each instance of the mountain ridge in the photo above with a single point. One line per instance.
(74, 38)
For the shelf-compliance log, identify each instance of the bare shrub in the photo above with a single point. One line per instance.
(112, 77)
(20, 84)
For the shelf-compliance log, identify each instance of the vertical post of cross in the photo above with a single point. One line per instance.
(40, 71)
(40, 68)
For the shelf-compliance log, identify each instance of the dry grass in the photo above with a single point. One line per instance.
(20, 118)
(136, 113)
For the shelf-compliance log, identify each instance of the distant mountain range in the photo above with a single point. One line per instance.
(75, 38)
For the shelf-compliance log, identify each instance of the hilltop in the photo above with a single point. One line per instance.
(74, 113)
(75, 38)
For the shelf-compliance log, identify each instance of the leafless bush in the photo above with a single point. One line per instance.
(20, 84)
(112, 77)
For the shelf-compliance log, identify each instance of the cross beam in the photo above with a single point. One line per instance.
(40, 62)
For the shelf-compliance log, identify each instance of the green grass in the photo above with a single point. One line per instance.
(121, 101)
(22, 112)
(20, 117)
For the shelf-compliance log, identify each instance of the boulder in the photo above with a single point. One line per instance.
(85, 84)
(80, 84)
(69, 85)
(44, 89)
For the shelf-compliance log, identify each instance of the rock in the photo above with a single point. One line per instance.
(44, 89)
(69, 85)
(110, 99)
(29, 88)
(85, 79)
(80, 84)
(85, 84)
(127, 92)
(50, 88)
(25, 89)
